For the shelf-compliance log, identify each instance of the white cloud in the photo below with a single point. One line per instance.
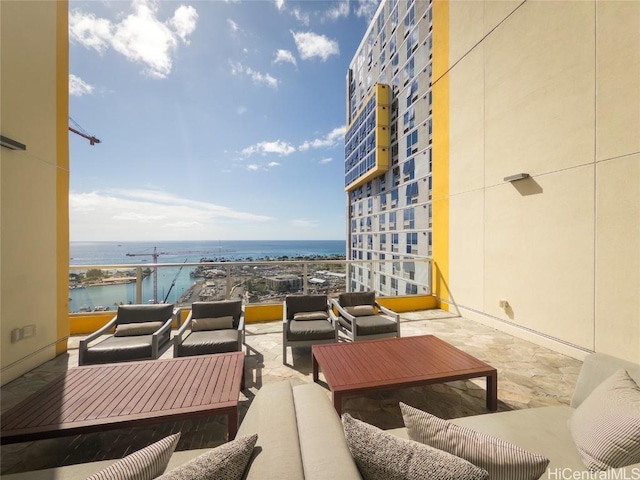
(338, 11)
(324, 161)
(78, 87)
(331, 139)
(242, 110)
(257, 77)
(366, 9)
(299, 15)
(233, 25)
(253, 167)
(140, 36)
(279, 4)
(278, 147)
(140, 214)
(311, 45)
(273, 164)
(285, 56)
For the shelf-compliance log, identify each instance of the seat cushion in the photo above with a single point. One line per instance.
(209, 341)
(119, 349)
(371, 325)
(310, 330)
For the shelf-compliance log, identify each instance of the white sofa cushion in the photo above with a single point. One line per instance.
(606, 426)
(503, 460)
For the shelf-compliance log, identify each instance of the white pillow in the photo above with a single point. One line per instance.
(503, 460)
(361, 310)
(606, 425)
(214, 323)
(380, 455)
(228, 462)
(145, 464)
(138, 328)
(310, 316)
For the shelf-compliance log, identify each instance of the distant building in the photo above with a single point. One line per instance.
(284, 283)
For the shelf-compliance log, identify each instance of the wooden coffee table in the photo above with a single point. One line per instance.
(119, 395)
(380, 365)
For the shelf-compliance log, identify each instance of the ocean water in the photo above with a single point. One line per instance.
(173, 282)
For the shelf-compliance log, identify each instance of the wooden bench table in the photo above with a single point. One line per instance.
(120, 395)
(380, 365)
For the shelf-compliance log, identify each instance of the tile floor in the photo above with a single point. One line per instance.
(528, 376)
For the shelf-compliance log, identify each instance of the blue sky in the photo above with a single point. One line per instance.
(218, 120)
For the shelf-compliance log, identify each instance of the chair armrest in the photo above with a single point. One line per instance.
(391, 313)
(332, 318)
(155, 336)
(84, 343)
(184, 326)
(342, 311)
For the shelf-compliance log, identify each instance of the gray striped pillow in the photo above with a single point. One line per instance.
(145, 464)
(606, 425)
(503, 460)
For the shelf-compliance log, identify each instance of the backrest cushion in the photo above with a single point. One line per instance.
(145, 313)
(137, 328)
(361, 310)
(305, 303)
(215, 323)
(596, 368)
(224, 308)
(357, 298)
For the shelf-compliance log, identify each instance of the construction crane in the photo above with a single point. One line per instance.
(78, 130)
(155, 255)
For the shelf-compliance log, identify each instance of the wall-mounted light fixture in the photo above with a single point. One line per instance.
(517, 176)
(11, 144)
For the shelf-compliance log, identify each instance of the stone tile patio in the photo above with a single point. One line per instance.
(528, 376)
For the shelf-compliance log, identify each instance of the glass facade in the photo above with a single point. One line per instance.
(391, 207)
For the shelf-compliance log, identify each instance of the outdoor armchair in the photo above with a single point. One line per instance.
(307, 320)
(361, 317)
(142, 332)
(211, 327)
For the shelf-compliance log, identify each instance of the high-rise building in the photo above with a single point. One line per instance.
(517, 122)
(388, 151)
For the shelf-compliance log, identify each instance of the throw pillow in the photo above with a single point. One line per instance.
(226, 462)
(381, 455)
(216, 323)
(503, 460)
(145, 464)
(141, 328)
(606, 425)
(361, 310)
(310, 316)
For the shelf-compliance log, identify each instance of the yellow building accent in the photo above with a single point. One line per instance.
(441, 152)
(62, 175)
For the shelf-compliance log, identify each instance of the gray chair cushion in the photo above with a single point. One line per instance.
(371, 325)
(357, 298)
(122, 349)
(305, 303)
(310, 330)
(230, 308)
(144, 313)
(207, 342)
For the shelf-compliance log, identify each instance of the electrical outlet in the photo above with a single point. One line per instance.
(29, 331)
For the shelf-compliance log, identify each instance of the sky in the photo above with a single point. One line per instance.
(218, 120)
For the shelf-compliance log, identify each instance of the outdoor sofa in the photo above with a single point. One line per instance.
(300, 436)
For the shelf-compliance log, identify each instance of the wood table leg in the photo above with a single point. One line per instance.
(314, 367)
(233, 423)
(492, 392)
(337, 402)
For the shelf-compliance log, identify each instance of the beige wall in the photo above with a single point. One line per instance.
(33, 112)
(551, 89)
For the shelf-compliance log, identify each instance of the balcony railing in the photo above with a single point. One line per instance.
(104, 287)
